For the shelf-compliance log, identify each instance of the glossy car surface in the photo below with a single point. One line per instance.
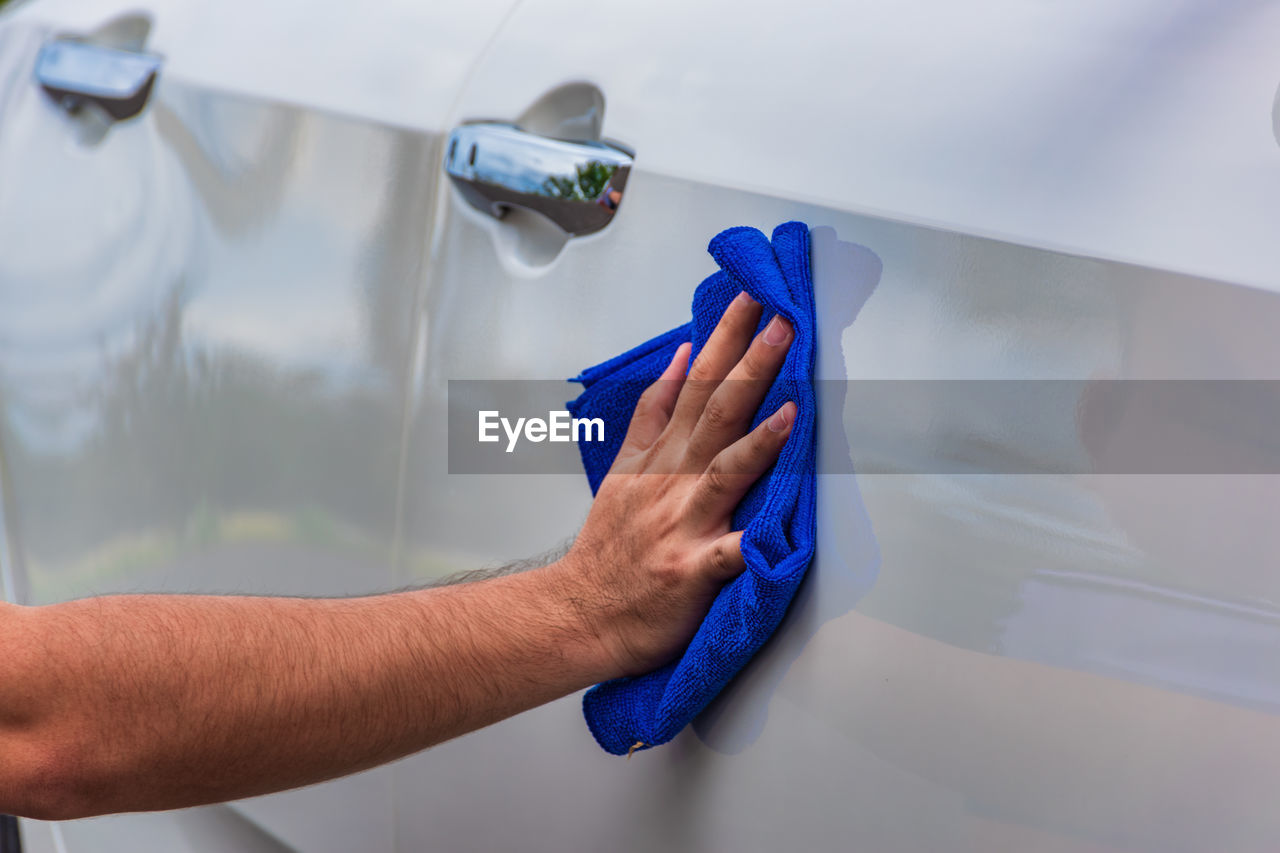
(227, 327)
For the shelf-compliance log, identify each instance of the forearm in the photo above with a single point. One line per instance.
(147, 702)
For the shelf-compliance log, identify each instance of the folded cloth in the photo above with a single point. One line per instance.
(777, 516)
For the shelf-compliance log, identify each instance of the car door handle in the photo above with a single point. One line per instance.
(75, 72)
(577, 185)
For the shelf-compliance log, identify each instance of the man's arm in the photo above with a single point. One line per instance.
(124, 703)
(150, 702)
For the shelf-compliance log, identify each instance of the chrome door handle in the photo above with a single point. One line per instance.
(577, 185)
(75, 72)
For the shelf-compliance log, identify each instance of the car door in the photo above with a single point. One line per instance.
(1019, 632)
(204, 325)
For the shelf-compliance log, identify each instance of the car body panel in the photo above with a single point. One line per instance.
(1041, 660)
(1060, 658)
(398, 63)
(204, 336)
(1066, 658)
(1133, 131)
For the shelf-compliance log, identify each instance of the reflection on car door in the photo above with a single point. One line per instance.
(205, 337)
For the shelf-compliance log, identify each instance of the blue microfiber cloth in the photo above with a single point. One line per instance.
(777, 516)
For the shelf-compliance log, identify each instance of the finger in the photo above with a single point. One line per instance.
(653, 411)
(734, 469)
(728, 341)
(724, 560)
(733, 404)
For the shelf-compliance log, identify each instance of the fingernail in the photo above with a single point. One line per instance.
(744, 298)
(780, 419)
(777, 331)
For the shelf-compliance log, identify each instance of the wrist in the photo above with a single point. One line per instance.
(584, 622)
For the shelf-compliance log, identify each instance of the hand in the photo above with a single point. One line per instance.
(657, 547)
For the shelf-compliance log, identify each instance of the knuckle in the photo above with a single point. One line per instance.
(717, 417)
(668, 576)
(721, 560)
(724, 560)
(701, 368)
(715, 482)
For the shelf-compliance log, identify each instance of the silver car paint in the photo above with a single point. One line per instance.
(1042, 661)
(205, 322)
(979, 662)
